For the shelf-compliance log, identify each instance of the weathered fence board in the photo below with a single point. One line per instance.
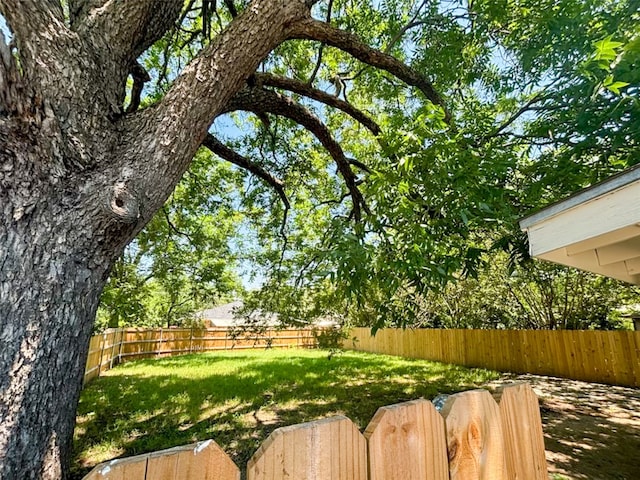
(611, 357)
(329, 449)
(407, 442)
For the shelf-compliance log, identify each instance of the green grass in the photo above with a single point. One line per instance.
(238, 398)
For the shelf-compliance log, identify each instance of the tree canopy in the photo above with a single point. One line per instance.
(526, 104)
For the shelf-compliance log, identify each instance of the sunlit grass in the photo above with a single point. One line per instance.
(238, 398)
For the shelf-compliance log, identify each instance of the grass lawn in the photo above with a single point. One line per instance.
(239, 397)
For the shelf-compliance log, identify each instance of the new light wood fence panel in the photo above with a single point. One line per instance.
(474, 437)
(329, 449)
(407, 442)
(198, 461)
(611, 357)
(117, 345)
(522, 432)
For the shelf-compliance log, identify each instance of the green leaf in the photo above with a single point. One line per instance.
(616, 86)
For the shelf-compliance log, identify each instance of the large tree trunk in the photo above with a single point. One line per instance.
(49, 299)
(53, 265)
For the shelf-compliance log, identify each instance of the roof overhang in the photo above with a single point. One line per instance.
(596, 229)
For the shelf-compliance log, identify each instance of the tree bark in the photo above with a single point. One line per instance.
(53, 265)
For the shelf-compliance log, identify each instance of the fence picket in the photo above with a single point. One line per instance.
(407, 441)
(522, 432)
(474, 437)
(329, 449)
(198, 461)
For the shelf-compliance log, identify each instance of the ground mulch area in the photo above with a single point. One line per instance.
(592, 431)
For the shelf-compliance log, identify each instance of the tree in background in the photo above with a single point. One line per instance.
(533, 295)
(183, 260)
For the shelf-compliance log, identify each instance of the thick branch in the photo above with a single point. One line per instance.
(320, 31)
(224, 152)
(306, 90)
(128, 28)
(258, 100)
(28, 18)
(162, 140)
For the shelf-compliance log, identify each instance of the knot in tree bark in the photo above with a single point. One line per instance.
(122, 204)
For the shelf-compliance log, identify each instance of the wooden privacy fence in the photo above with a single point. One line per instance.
(611, 357)
(473, 438)
(122, 344)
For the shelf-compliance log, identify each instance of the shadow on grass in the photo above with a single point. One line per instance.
(238, 399)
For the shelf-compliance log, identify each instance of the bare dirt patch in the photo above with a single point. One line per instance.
(592, 431)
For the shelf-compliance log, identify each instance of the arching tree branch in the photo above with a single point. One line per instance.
(301, 88)
(320, 31)
(28, 18)
(261, 100)
(231, 156)
(226, 153)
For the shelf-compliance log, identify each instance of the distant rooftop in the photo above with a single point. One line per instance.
(224, 315)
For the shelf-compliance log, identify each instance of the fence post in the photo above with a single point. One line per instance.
(104, 340)
(191, 340)
(159, 350)
(113, 348)
(122, 337)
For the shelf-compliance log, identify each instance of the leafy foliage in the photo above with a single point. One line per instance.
(540, 100)
(184, 259)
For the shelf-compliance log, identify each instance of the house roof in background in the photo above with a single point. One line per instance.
(221, 312)
(224, 315)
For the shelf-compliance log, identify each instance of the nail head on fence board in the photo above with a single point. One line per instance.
(407, 441)
(474, 437)
(522, 428)
(329, 449)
